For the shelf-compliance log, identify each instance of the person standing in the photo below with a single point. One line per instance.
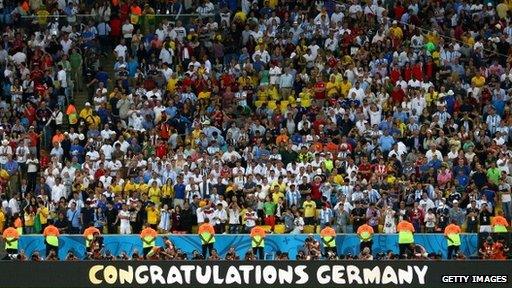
(148, 236)
(51, 234)
(11, 237)
(499, 224)
(124, 218)
(365, 233)
(328, 235)
(405, 237)
(89, 235)
(207, 234)
(452, 235)
(258, 241)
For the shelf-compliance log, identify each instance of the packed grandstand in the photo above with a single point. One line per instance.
(314, 118)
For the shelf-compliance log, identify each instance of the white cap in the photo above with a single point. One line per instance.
(455, 201)
(87, 104)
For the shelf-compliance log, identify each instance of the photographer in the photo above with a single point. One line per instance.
(485, 218)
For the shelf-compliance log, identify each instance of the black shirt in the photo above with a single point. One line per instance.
(485, 217)
(359, 216)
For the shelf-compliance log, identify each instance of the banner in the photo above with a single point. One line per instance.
(287, 243)
(262, 273)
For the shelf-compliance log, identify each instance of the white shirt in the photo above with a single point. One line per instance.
(121, 51)
(14, 206)
(124, 222)
(127, 30)
(220, 216)
(58, 191)
(62, 77)
(107, 150)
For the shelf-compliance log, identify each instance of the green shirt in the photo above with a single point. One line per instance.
(76, 60)
(494, 174)
(269, 208)
(265, 77)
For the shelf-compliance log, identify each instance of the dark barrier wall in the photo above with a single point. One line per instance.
(264, 274)
(346, 243)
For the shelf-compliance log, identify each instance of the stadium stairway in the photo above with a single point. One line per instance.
(107, 63)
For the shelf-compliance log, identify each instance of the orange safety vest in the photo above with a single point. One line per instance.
(205, 231)
(51, 234)
(365, 231)
(258, 231)
(10, 233)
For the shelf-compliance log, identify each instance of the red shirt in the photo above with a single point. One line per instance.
(398, 95)
(407, 73)
(45, 160)
(315, 190)
(394, 75)
(320, 85)
(429, 70)
(30, 113)
(115, 27)
(417, 71)
(100, 172)
(365, 167)
(161, 150)
(398, 11)
(164, 132)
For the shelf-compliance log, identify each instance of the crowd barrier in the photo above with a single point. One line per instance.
(286, 274)
(346, 243)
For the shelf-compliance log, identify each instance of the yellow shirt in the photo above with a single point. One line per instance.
(2, 221)
(502, 10)
(85, 113)
(276, 196)
(345, 87)
(309, 208)
(470, 41)
(338, 179)
(240, 17)
(116, 189)
(262, 95)
(273, 93)
(152, 214)
(154, 194)
(43, 215)
(171, 84)
(305, 94)
(332, 88)
(204, 95)
(143, 187)
(130, 186)
(168, 191)
(29, 219)
(431, 37)
(478, 81)
(282, 186)
(396, 32)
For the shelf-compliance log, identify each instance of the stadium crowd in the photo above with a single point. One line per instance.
(288, 114)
